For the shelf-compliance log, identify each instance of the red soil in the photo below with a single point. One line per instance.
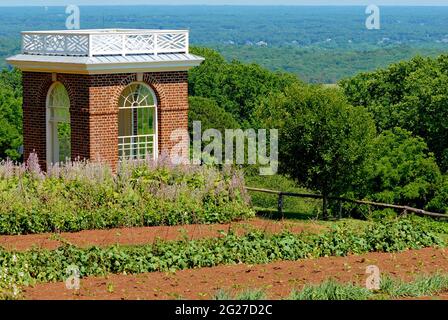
(145, 235)
(278, 278)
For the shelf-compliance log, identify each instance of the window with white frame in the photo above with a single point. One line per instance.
(137, 122)
(58, 124)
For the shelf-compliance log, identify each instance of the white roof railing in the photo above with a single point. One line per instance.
(104, 42)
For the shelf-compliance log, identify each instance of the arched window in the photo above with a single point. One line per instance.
(58, 124)
(137, 122)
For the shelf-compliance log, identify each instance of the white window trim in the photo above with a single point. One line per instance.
(51, 151)
(155, 143)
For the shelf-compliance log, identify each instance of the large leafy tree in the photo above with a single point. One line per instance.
(323, 141)
(412, 95)
(235, 86)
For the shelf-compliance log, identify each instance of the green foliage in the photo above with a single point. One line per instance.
(421, 286)
(88, 196)
(251, 295)
(400, 170)
(324, 141)
(253, 248)
(10, 114)
(437, 226)
(210, 115)
(280, 182)
(235, 86)
(440, 200)
(321, 65)
(426, 285)
(412, 95)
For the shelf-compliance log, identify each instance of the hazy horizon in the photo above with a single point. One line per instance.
(50, 3)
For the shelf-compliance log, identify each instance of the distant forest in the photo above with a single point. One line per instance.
(318, 44)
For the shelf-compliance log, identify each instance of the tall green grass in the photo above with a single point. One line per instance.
(421, 286)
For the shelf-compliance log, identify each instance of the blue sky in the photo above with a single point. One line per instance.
(220, 2)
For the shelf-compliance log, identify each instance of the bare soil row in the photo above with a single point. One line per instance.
(146, 235)
(278, 279)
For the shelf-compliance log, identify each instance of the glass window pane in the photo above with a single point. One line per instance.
(59, 124)
(125, 122)
(136, 118)
(64, 135)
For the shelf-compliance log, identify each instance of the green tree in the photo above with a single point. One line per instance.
(10, 114)
(412, 95)
(323, 141)
(210, 115)
(400, 170)
(236, 87)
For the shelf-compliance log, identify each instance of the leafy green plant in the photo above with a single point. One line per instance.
(400, 170)
(10, 114)
(408, 94)
(252, 248)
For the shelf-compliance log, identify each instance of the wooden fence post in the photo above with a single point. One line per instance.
(280, 204)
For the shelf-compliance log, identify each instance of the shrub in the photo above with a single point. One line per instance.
(401, 170)
(82, 195)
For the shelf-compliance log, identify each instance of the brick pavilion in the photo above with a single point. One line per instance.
(103, 94)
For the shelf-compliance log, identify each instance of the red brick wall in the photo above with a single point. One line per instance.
(94, 111)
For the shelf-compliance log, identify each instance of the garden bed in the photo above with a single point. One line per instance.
(277, 279)
(147, 235)
(86, 196)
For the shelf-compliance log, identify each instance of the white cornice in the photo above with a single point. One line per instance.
(84, 65)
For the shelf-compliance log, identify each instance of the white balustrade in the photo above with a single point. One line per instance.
(104, 42)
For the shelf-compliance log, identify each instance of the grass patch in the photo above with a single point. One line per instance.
(331, 290)
(294, 208)
(249, 294)
(421, 286)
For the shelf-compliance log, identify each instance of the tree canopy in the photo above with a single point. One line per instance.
(235, 86)
(412, 95)
(400, 170)
(324, 142)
